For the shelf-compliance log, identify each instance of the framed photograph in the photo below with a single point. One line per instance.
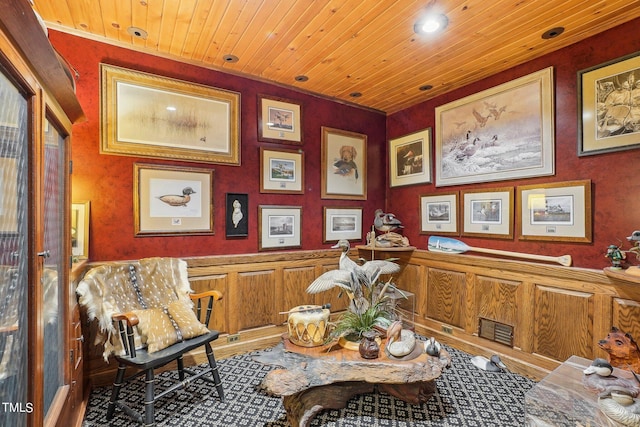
(281, 171)
(172, 200)
(279, 120)
(280, 227)
(488, 213)
(145, 115)
(237, 215)
(342, 223)
(439, 214)
(344, 164)
(609, 106)
(410, 159)
(80, 229)
(559, 211)
(505, 132)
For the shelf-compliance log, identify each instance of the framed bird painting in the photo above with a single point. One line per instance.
(502, 133)
(344, 164)
(172, 200)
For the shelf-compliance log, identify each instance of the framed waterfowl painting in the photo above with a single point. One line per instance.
(172, 200)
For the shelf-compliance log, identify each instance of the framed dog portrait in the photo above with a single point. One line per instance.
(344, 164)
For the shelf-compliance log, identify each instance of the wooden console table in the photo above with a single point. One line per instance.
(318, 378)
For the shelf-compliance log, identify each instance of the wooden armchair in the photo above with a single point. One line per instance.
(155, 325)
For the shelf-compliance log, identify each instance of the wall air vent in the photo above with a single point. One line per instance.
(494, 331)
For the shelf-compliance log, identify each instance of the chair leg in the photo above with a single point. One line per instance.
(115, 391)
(180, 368)
(149, 398)
(214, 371)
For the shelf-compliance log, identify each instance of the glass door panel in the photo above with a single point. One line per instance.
(14, 228)
(54, 262)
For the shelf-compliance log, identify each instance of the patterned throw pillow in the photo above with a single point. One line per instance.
(161, 327)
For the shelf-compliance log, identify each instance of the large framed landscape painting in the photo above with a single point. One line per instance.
(505, 132)
(144, 115)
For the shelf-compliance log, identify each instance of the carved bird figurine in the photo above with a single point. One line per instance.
(490, 365)
(432, 347)
(386, 222)
(351, 277)
(599, 367)
(177, 200)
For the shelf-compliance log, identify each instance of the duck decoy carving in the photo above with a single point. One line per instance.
(386, 222)
(177, 200)
(494, 364)
(351, 277)
(432, 347)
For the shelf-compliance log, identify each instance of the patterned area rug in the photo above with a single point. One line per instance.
(466, 396)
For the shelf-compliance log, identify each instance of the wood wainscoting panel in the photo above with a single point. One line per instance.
(257, 299)
(496, 299)
(220, 319)
(446, 296)
(625, 317)
(563, 323)
(295, 282)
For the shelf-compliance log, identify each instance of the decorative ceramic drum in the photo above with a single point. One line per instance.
(308, 325)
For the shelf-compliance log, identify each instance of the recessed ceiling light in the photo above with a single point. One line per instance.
(554, 32)
(355, 94)
(137, 32)
(426, 87)
(431, 23)
(230, 58)
(301, 78)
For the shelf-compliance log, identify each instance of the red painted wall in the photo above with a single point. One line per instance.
(107, 180)
(615, 189)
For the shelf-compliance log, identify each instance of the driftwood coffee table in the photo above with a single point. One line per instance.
(318, 378)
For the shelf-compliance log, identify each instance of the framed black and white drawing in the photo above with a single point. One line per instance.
(342, 223)
(280, 227)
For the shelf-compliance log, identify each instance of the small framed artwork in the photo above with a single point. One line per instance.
(608, 100)
(280, 227)
(342, 223)
(505, 132)
(172, 200)
(145, 115)
(488, 213)
(237, 215)
(281, 171)
(410, 159)
(279, 120)
(439, 214)
(80, 230)
(558, 211)
(344, 164)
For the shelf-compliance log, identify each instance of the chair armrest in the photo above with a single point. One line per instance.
(130, 318)
(126, 333)
(211, 296)
(217, 295)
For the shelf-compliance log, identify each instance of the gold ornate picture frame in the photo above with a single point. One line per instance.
(145, 115)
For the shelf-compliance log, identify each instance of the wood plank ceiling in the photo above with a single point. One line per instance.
(344, 47)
